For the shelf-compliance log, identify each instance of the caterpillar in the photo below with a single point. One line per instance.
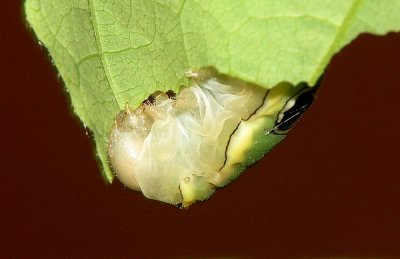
(179, 147)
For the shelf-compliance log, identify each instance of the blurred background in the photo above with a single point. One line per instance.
(331, 188)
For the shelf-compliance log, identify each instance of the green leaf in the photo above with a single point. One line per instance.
(110, 53)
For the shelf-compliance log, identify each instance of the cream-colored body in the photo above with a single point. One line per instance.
(177, 150)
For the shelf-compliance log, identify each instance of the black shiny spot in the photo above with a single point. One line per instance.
(291, 116)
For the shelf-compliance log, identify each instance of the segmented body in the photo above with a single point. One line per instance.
(178, 148)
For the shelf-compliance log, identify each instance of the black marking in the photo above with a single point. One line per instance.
(171, 94)
(150, 100)
(240, 122)
(293, 114)
(286, 119)
(259, 107)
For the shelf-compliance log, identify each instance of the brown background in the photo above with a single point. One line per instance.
(332, 188)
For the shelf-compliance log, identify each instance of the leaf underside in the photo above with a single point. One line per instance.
(112, 53)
